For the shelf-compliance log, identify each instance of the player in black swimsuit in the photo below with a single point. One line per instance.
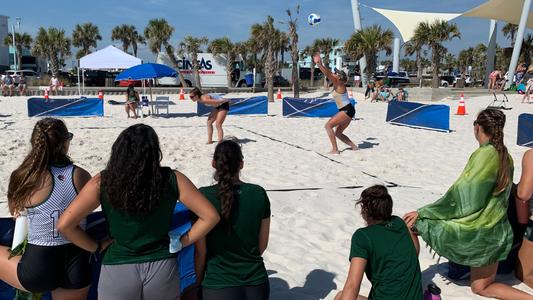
(217, 115)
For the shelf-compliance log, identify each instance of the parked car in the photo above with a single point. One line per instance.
(279, 81)
(447, 80)
(467, 78)
(29, 74)
(305, 74)
(394, 79)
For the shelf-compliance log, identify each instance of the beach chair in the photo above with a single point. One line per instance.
(141, 105)
(500, 103)
(161, 102)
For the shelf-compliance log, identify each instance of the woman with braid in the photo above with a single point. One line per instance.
(43, 186)
(469, 225)
(234, 268)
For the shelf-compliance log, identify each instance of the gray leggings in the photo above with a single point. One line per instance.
(151, 280)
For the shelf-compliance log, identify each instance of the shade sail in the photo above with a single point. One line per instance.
(407, 21)
(503, 10)
(109, 58)
(146, 71)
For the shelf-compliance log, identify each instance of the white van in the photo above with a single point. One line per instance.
(212, 71)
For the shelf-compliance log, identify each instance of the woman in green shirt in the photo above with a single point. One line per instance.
(234, 268)
(469, 225)
(385, 250)
(138, 197)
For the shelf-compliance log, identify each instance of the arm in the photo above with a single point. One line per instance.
(325, 70)
(355, 277)
(414, 238)
(199, 259)
(85, 203)
(81, 177)
(263, 235)
(196, 202)
(525, 186)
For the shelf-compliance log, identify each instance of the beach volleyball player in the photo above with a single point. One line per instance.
(220, 108)
(340, 121)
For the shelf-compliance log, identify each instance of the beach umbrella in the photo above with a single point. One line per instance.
(148, 72)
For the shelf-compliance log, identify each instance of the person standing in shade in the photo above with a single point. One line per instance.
(132, 101)
(386, 250)
(340, 121)
(234, 267)
(138, 197)
(218, 113)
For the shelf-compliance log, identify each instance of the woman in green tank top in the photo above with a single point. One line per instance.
(138, 200)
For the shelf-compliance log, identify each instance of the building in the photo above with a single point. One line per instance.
(28, 61)
(4, 50)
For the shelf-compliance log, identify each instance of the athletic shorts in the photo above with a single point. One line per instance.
(528, 235)
(46, 268)
(223, 106)
(349, 110)
(248, 292)
(158, 280)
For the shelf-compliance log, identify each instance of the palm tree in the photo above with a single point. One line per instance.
(479, 62)
(309, 51)
(192, 46)
(224, 47)
(120, 33)
(326, 47)
(369, 42)
(85, 36)
(415, 46)
(449, 62)
(135, 39)
(509, 31)
(433, 35)
(52, 44)
(266, 38)
(527, 48)
(465, 59)
(293, 38)
(158, 33)
(22, 40)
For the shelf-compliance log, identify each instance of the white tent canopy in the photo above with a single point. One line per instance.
(503, 10)
(407, 21)
(109, 58)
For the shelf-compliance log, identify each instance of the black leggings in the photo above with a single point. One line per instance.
(249, 292)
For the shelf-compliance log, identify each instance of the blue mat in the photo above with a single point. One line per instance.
(418, 115)
(525, 130)
(240, 106)
(314, 108)
(78, 107)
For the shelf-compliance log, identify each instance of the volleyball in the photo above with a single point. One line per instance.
(313, 19)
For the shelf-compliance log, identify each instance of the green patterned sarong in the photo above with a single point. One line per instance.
(469, 225)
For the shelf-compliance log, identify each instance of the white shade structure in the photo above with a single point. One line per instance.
(502, 10)
(109, 58)
(407, 21)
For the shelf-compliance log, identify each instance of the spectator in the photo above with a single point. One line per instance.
(132, 101)
(8, 88)
(54, 84)
(525, 203)
(22, 85)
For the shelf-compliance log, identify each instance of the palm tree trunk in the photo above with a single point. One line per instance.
(195, 70)
(295, 76)
(435, 68)
(54, 64)
(312, 83)
(269, 72)
(229, 69)
(170, 53)
(418, 65)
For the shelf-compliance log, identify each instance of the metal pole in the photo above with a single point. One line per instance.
(357, 26)
(491, 51)
(14, 48)
(519, 40)
(396, 57)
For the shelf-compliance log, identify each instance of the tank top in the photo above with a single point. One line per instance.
(43, 217)
(140, 238)
(341, 99)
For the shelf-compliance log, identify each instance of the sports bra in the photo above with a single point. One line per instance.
(340, 99)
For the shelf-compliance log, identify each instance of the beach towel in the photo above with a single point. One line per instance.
(469, 225)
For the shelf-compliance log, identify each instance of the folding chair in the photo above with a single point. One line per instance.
(141, 105)
(161, 102)
(501, 103)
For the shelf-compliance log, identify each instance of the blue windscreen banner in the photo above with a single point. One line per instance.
(240, 106)
(525, 130)
(418, 115)
(78, 107)
(310, 107)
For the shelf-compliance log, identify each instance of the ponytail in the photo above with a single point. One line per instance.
(227, 158)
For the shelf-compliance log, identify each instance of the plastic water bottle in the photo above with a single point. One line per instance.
(432, 292)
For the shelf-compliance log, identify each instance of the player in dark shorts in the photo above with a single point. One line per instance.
(218, 113)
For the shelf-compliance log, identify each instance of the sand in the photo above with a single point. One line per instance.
(307, 257)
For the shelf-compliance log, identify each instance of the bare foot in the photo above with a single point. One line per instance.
(334, 152)
(354, 147)
(209, 142)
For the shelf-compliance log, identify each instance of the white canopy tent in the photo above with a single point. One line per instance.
(109, 57)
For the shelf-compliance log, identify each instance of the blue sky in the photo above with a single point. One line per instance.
(233, 18)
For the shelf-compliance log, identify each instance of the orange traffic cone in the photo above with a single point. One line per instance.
(182, 95)
(462, 97)
(101, 95)
(279, 97)
(46, 94)
(461, 109)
